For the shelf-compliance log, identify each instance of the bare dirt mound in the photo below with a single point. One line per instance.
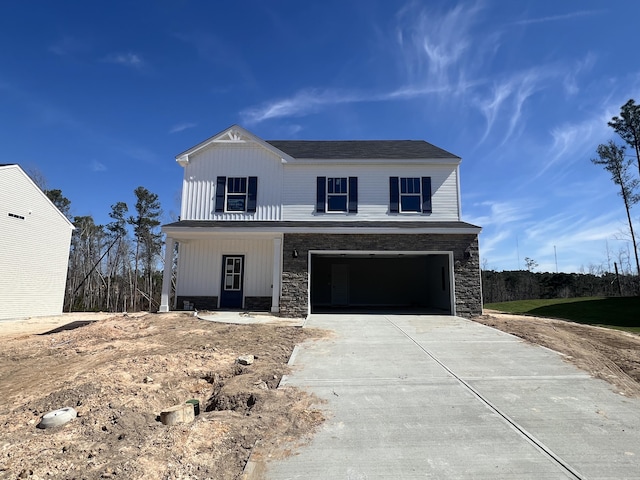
(610, 355)
(121, 372)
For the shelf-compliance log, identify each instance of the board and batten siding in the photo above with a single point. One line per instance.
(231, 160)
(34, 249)
(299, 195)
(200, 266)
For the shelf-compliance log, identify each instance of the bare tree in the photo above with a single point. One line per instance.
(36, 175)
(612, 158)
(530, 264)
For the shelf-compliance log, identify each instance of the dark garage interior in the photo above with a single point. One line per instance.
(390, 282)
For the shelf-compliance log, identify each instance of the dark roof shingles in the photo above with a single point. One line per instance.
(360, 149)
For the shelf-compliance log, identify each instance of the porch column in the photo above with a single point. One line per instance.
(166, 275)
(277, 275)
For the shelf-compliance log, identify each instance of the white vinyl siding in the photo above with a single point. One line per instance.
(200, 266)
(230, 160)
(299, 196)
(34, 249)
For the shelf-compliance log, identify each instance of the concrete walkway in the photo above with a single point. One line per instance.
(247, 318)
(446, 398)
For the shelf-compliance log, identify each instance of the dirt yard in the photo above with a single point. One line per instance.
(611, 355)
(120, 372)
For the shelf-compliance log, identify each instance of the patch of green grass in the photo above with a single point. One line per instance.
(622, 313)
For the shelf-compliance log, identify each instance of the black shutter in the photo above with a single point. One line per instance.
(426, 194)
(353, 194)
(220, 186)
(394, 195)
(253, 194)
(320, 194)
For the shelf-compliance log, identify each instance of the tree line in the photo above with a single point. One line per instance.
(116, 266)
(508, 286)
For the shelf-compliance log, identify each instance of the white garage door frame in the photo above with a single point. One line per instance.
(385, 253)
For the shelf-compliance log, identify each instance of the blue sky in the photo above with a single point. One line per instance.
(101, 96)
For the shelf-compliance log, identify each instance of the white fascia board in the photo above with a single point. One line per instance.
(236, 135)
(198, 232)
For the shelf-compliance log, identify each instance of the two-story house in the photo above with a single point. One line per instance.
(299, 227)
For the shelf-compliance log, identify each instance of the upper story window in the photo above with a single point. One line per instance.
(410, 194)
(337, 194)
(236, 194)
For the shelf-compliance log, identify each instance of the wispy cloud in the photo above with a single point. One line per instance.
(500, 213)
(581, 66)
(138, 153)
(434, 44)
(492, 243)
(181, 127)
(68, 46)
(433, 48)
(505, 103)
(96, 166)
(491, 105)
(556, 18)
(302, 103)
(577, 140)
(129, 59)
(574, 237)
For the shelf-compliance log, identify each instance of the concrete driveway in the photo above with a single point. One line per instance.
(445, 398)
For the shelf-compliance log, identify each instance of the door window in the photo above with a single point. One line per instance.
(233, 273)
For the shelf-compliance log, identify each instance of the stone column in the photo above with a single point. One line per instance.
(166, 275)
(277, 275)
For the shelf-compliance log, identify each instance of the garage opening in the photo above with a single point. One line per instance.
(389, 282)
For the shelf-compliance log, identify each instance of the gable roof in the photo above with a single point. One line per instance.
(360, 149)
(232, 135)
(29, 181)
(326, 149)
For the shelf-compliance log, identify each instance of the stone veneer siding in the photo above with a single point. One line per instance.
(199, 302)
(466, 263)
(257, 304)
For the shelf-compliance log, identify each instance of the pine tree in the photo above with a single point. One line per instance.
(148, 240)
(612, 158)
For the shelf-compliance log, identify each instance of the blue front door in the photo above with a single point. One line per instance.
(232, 281)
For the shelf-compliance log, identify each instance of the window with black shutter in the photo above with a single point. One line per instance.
(410, 194)
(236, 194)
(337, 194)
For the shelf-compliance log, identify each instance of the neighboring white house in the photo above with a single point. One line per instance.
(297, 227)
(34, 248)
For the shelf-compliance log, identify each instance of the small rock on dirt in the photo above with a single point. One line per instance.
(246, 359)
